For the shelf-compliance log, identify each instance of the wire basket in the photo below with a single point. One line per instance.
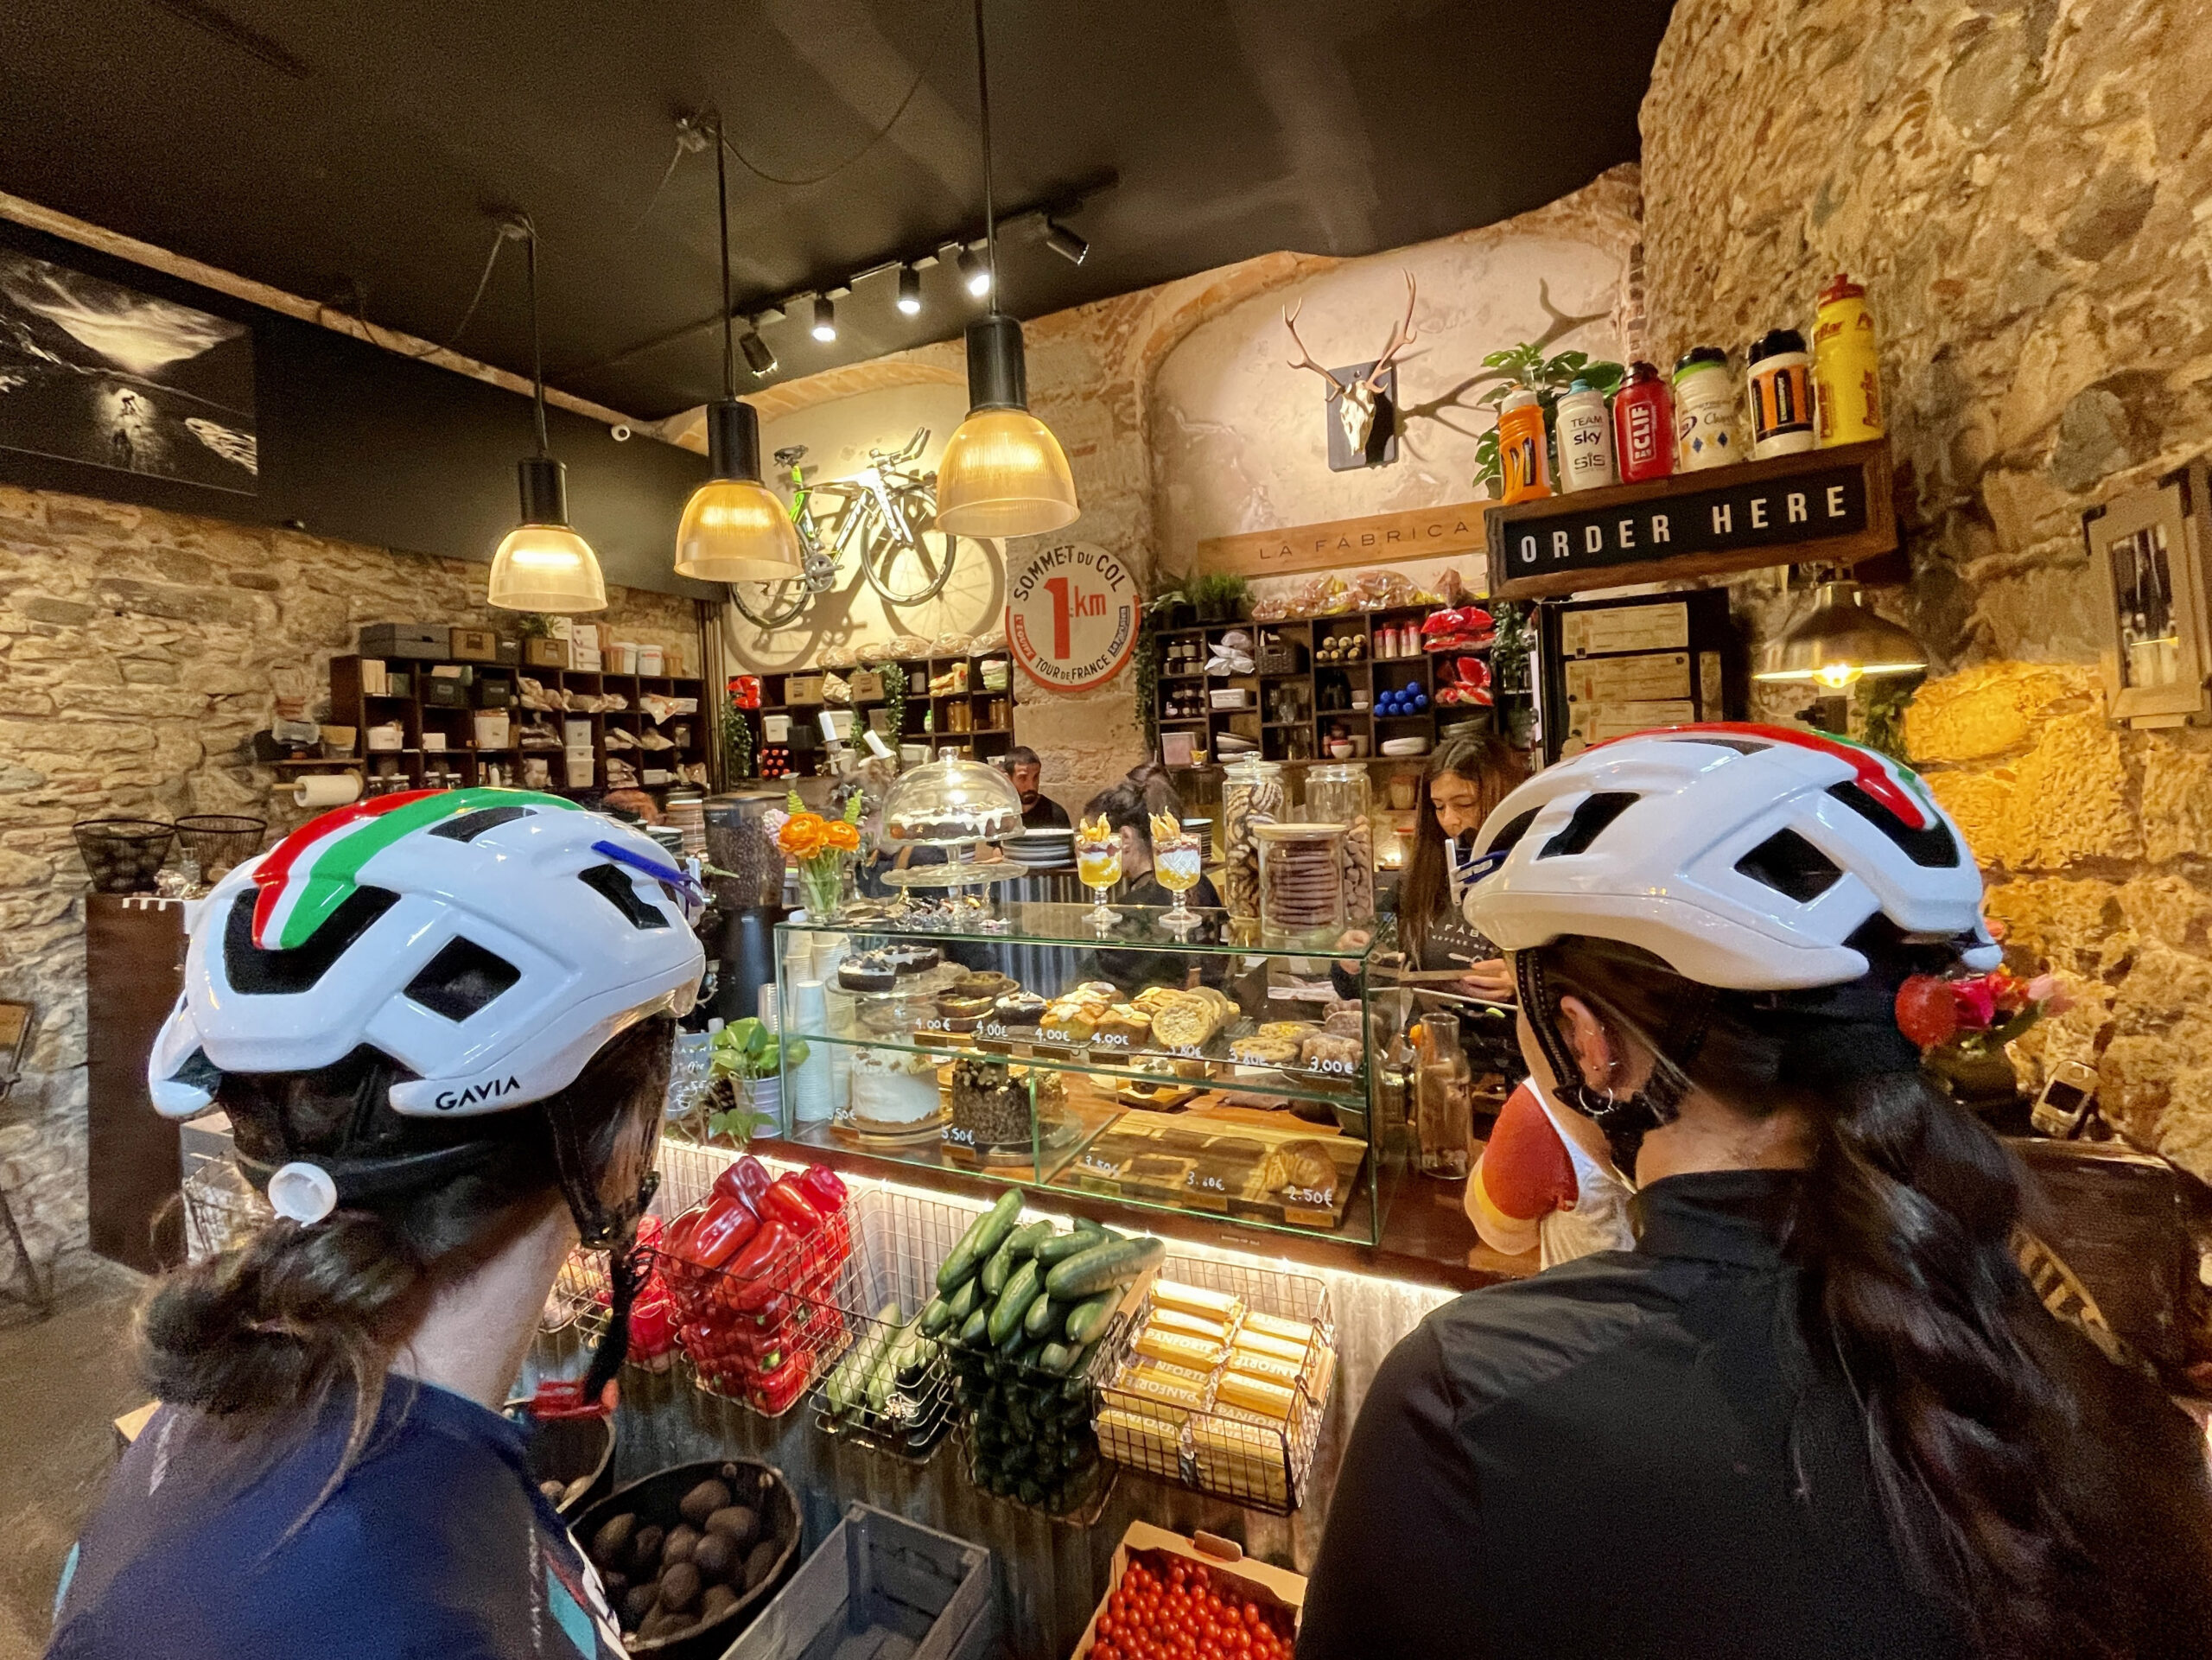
(123, 856)
(216, 841)
(1027, 1435)
(899, 1240)
(1259, 1463)
(221, 1209)
(764, 1336)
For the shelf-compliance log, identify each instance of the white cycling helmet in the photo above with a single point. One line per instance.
(1744, 856)
(487, 942)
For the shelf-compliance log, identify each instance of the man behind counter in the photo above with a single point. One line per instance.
(1039, 811)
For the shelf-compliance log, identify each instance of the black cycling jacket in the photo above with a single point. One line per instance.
(1634, 1454)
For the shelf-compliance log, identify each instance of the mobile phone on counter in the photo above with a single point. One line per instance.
(2069, 1096)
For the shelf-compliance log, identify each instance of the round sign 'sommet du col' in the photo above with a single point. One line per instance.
(1070, 614)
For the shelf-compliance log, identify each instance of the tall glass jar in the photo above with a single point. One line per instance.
(1251, 795)
(1339, 795)
(1302, 877)
(1443, 1097)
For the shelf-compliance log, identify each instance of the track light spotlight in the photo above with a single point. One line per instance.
(760, 357)
(975, 273)
(910, 291)
(825, 318)
(1065, 243)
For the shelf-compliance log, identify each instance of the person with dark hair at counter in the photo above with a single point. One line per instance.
(1128, 807)
(1039, 811)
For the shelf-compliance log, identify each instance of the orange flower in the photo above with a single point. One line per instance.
(842, 835)
(802, 834)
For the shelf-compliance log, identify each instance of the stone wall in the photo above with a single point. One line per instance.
(2026, 191)
(1182, 420)
(138, 651)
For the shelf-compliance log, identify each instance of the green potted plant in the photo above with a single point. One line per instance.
(745, 1097)
(1220, 596)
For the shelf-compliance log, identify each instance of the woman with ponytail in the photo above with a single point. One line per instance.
(1817, 1411)
(440, 1025)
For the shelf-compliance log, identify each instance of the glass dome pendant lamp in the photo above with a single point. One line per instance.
(543, 565)
(734, 529)
(1002, 473)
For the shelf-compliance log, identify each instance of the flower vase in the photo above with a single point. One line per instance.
(824, 878)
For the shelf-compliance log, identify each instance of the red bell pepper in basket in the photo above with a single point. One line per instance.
(745, 1180)
(786, 1202)
(723, 1233)
(821, 1184)
(751, 1277)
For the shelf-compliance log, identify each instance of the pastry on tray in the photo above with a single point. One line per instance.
(867, 971)
(912, 959)
(1153, 999)
(1298, 1029)
(1302, 1167)
(1019, 1008)
(1124, 1023)
(989, 982)
(1072, 1022)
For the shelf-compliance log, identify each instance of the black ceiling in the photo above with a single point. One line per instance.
(356, 149)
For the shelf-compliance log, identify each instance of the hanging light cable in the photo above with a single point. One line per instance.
(734, 528)
(1002, 473)
(542, 564)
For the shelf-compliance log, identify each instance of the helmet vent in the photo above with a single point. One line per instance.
(1789, 864)
(466, 827)
(1589, 823)
(614, 885)
(461, 980)
(1741, 746)
(1509, 837)
(259, 973)
(1934, 848)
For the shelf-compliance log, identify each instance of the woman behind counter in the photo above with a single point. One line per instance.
(1464, 779)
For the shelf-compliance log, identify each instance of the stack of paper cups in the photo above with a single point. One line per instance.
(814, 1091)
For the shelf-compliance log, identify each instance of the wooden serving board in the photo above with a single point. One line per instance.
(1195, 1165)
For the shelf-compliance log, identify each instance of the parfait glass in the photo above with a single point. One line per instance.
(1179, 863)
(1099, 867)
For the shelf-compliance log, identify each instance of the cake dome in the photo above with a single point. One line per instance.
(949, 803)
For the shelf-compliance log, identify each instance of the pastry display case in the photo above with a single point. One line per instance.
(1215, 1070)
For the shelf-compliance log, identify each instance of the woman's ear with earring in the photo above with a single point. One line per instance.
(1595, 1053)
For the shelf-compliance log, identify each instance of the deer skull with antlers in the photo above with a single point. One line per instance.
(1356, 403)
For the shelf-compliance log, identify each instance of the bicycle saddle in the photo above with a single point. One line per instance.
(789, 455)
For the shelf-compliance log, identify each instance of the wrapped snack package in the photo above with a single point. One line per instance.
(1326, 596)
(952, 645)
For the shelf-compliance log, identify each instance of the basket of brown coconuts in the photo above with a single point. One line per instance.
(690, 1554)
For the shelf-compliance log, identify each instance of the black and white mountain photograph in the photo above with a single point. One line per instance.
(93, 371)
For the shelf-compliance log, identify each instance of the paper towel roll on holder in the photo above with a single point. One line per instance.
(326, 790)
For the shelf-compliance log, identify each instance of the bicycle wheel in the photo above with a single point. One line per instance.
(906, 570)
(771, 605)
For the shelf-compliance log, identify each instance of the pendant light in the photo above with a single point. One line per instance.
(734, 529)
(1843, 640)
(1002, 473)
(543, 565)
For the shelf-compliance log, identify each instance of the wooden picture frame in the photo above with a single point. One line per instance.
(2147, 549)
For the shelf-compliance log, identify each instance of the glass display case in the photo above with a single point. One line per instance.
(1219, 1071)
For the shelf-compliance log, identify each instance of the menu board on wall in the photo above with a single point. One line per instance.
(1611, 667)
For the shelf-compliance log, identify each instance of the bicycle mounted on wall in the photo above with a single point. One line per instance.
(886, 513)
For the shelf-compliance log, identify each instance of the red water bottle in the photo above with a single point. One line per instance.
(1643, 425)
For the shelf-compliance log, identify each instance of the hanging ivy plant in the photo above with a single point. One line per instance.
(737, 756)
(894, 702)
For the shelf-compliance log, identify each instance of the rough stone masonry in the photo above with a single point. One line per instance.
(138, 652)
(2026, 191)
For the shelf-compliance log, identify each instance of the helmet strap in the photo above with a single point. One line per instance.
(1626, 1120)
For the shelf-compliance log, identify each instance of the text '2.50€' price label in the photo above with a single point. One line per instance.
(1072, 613)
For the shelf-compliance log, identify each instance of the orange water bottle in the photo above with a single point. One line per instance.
(1523, 452)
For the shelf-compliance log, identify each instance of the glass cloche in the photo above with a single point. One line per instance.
(950, 802)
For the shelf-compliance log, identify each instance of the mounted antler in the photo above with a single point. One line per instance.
(1357, 402)
(1337, 388)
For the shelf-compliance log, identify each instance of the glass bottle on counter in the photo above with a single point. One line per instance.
(1443, 1097)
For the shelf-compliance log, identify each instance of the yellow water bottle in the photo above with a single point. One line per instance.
(1847, 366)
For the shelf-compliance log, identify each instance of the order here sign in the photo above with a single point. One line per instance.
(1826, 505)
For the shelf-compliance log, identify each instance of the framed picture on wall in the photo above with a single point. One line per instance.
(98, 373)
(2147, 549)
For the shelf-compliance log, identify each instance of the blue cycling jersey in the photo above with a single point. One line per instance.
(437, 1543)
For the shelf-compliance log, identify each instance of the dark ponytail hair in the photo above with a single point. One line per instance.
(2004, 1457)
(259, 1336)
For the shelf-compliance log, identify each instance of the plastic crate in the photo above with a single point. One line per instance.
(879, 1586)
(899, 1240)
(1239, 1456)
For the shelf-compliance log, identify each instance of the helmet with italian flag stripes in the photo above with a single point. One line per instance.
(1744, 856)
(489, 943)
